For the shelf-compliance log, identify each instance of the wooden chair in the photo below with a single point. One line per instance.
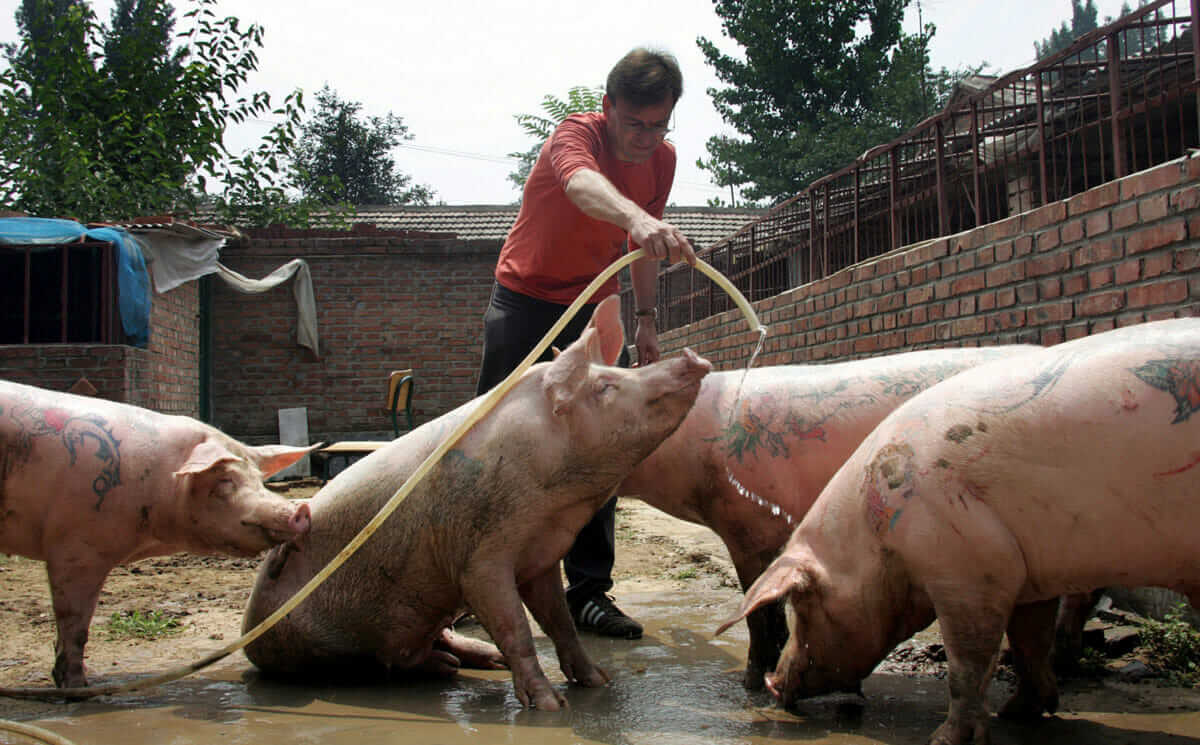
(399, 398)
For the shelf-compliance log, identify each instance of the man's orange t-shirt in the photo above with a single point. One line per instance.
(554, 250)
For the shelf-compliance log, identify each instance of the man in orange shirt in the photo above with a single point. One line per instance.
(601, 180)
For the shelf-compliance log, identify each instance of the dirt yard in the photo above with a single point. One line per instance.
(206, 595)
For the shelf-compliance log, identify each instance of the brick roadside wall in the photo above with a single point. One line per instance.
(1122, 253)
(164, 376)
(385, 301)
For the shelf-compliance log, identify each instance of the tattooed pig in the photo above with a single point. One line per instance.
(983, 499)
(751, 475)
(484, 530)
(87, 484)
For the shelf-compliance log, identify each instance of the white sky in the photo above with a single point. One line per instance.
(457, 71)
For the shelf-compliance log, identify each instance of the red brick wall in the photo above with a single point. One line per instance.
(172, 380)
(384, 302)
(1123, 253)
(164, 376)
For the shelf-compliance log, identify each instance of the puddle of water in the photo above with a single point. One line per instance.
(676, 685)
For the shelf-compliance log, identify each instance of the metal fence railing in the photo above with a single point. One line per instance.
(1118, 100)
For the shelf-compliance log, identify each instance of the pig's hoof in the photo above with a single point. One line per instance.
(548, 700)
(961, 734)
(754, 678)
(593, 678)
(1026, 706)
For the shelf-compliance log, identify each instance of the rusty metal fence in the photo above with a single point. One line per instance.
(1120, 99)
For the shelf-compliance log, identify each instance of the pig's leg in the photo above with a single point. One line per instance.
(767, 626)
(972, 628)
(544, 597)
(1073, 613)
(74, 591)
(1031, 636)
(492, 595)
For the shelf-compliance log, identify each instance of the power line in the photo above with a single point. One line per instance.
(502, 159)
(461, 153)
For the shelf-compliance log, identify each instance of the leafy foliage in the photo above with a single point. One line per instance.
(818, 83)
(579, 99)
(138, 625)
(1173, 647)
(1083, 19)
(341, 159)
(115, 122)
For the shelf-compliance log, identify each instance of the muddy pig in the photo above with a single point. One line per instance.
(983, 499)
(87, 484)
(485, 530)
(751, 477)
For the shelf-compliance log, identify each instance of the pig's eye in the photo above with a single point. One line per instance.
(224, 488)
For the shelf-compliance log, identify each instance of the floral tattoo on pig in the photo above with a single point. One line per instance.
(1180, 378)
(73, 431)
(806, 415)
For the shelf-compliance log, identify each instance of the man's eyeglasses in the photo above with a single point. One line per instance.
(639, 127)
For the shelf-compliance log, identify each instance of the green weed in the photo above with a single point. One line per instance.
(686, 573)
(1172, 648)
(138, 625)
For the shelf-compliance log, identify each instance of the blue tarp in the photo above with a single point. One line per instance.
(133, 282)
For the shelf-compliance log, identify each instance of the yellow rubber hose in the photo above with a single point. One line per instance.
(492, 398)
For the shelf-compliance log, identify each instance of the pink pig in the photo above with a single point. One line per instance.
(983, 499)
(484, 530)
(87, 484)
(752, 476)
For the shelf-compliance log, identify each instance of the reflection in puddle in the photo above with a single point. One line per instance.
(675, 686)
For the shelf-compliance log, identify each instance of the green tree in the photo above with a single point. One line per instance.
(580, 99)
(817, 83)
(342, 159)
(1083, 19)
(114, 122)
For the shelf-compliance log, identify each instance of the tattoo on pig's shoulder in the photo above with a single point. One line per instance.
(78, 434)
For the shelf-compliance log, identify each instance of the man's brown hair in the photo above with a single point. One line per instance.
(645, 77)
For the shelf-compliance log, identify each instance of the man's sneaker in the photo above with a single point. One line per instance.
(598, 614)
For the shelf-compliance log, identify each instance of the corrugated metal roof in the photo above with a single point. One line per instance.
(704, 226)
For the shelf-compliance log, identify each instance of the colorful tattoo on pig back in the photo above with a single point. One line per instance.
(888, 485)
(765, 422)
(1178, 377)
(804, 417)
(73, 431)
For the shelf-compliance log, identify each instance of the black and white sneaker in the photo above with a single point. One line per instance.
(598, 614)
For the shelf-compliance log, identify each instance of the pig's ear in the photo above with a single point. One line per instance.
(780, 578)
(205, 456)
(568, 372)
(610, 332)
(272, 459)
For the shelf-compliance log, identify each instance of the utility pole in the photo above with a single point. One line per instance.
(924, 62)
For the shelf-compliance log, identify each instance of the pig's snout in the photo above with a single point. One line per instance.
(300, 521)
(695, 364)
(287, 525)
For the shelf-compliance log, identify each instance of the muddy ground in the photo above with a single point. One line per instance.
(657, 556)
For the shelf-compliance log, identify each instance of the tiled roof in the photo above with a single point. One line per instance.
(704, 226)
